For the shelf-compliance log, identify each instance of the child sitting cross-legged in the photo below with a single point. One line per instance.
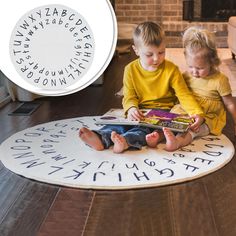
(149, 82)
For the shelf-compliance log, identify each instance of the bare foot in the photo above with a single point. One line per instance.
(91, 138)
(119, 141)
(171, 141)
(153, 139)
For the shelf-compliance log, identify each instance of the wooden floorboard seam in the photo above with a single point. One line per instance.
(211, 209)
(13, 202)
(175, 228)
(49, 210)
(89, 211)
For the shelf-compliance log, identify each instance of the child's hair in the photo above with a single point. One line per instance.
(196, 38)
(148, 33)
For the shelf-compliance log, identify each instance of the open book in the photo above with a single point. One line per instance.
(154, 118)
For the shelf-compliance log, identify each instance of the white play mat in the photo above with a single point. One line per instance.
(55, 48)
(53, 153)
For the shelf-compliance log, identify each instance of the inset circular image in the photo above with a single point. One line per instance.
(57, 49)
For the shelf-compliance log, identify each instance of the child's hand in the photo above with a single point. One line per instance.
(135, 114)
(198, 120)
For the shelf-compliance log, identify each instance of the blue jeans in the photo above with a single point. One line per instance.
(134, 135)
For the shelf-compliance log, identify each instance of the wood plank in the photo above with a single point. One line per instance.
(28, 211)
(68, 214)
(11, 187)
(133, 212)
(191, 210)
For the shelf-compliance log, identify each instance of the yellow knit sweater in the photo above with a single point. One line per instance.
(157, 89)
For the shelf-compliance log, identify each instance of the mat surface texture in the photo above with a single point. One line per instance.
(53, 153)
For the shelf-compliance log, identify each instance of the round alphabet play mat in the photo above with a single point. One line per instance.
(53, 153)
(56, 48)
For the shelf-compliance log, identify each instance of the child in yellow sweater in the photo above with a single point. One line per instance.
(210, 87)
(149, 82)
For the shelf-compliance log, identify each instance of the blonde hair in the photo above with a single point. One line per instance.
(195, 39)
(148, 33)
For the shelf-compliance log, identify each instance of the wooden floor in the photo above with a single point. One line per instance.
(202, 207)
